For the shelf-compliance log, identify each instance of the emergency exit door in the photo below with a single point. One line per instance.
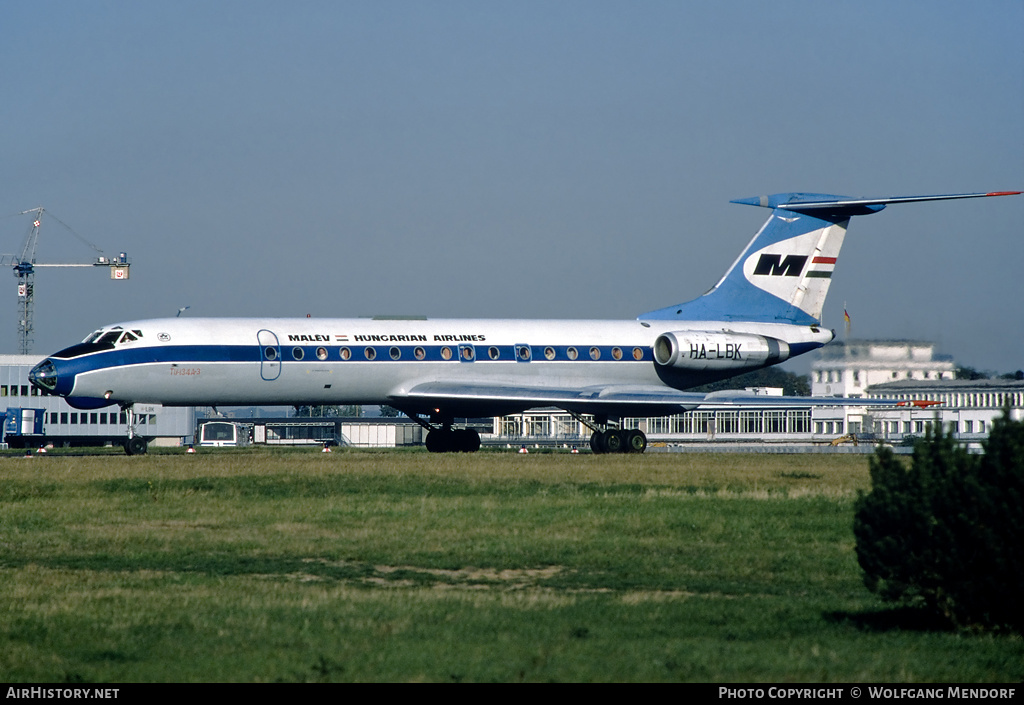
(270, 355)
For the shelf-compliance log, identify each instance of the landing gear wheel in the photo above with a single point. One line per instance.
(636, 441)
(136, 445)
(597, 442)
(613, 442)
(466, 441)
(439, 441)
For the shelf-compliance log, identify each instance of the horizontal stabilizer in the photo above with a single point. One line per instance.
(812, 203)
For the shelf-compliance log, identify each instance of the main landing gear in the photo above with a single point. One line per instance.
(442, 438)
(613, 439)
(449, 440)
(133, 444)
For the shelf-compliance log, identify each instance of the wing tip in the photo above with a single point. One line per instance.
(919, 403)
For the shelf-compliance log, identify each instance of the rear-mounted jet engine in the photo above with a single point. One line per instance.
(688, 350)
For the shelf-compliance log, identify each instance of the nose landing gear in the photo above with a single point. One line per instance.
(133, 444)
(136, 445)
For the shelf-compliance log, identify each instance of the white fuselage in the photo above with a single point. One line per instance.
(370, 361)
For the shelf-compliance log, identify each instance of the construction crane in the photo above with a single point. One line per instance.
(25, 265)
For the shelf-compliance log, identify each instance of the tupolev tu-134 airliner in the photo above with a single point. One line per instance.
(764, 310)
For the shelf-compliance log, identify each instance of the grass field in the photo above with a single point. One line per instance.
(262, 565)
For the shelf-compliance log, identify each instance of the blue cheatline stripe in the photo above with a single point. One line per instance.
(481, 353)
(357, 353)
(158, 354)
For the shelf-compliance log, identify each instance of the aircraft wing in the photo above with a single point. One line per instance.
(614, 400)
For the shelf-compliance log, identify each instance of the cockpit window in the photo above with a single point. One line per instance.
(113, 335)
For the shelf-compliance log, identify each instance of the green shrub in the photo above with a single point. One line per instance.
(946, 533)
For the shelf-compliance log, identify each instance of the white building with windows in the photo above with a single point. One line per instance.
(554, 427)
(966, 407)
(848, 368)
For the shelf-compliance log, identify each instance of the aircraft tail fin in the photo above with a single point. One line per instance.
(784, 273)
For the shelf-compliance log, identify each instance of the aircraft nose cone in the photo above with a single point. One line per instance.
(56, 377)
(49, 377)
(44, 376)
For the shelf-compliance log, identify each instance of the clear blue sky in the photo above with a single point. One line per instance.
(509, 159)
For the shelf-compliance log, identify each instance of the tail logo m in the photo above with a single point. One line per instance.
(775, 266)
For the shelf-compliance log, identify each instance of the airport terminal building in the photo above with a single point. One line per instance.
(848, 368)
(967, 408)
